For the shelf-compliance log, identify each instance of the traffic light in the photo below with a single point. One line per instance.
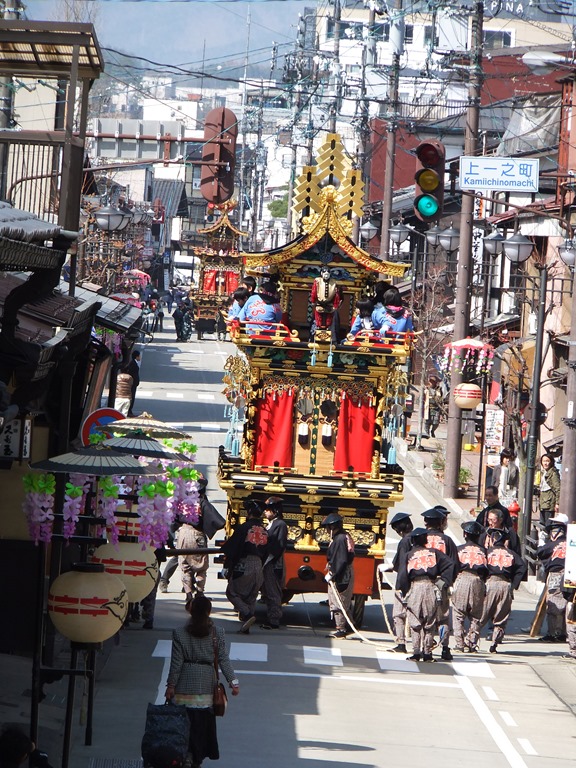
(429, 180)
(210, 210)
(218, 155)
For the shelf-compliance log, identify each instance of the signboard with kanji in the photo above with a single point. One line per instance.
(505, 173)
(570, 567)
(15, 440)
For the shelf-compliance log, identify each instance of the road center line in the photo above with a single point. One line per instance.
(527, 747)
(493, 727)
(490, 693)
(508, 719)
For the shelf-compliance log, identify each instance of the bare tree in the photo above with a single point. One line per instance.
(429, 304)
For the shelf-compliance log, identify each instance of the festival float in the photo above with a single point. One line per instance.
(321, 408)
(220, 268)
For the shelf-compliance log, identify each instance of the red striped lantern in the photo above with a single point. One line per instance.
(467, 395)
(86, 604)
(136, 567)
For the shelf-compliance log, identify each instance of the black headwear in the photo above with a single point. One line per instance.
(472, 528)
(418, 533)
(253, 508)
(398, 517)
(332, 519)
(498, 535)
(274, 503)
(434, 514)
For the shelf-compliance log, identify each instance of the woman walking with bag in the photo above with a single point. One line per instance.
(197, 650)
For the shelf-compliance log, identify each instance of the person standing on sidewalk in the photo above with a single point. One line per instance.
(552, 555)
(133, 368)
(469, 589)
(245, 552)
(123, 398)
(433, 405)
(506, 569)
(274, 571)
(493, 503)
(339, 572)
(549, 489)
(423, 574)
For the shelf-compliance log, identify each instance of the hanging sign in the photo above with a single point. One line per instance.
(506, 173)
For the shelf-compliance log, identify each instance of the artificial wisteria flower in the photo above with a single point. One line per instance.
(107, 504)
(74, 498)
(38, 505)
(155, 509)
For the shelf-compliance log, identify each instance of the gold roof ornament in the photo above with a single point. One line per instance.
(223, 221)
(332, 181)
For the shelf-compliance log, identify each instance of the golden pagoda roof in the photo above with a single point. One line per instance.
(223, 221)
(328, 194)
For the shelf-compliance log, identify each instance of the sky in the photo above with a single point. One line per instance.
(177, 32)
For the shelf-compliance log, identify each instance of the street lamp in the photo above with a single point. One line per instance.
(518, 249)
(567, 252)
(433, 235)
(449, 239)
(368, 230)
(398, 234)
(493, 243)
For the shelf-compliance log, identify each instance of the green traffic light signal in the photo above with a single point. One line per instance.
(427, 206)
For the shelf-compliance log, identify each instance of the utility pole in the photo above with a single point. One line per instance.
(242, 184)
(397, 45)
(568, 484)
(364, 127)
(465, 264)
(336, 67)
(296, 107)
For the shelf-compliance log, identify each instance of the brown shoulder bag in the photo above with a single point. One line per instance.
(220, 698)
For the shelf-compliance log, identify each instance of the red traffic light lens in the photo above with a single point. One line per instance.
(210, 206)
(428, 154)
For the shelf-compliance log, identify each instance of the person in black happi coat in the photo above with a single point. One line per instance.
(339, 572)
(469, 588)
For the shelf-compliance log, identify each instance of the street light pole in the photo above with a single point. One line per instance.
(568, 484)
(464, 275)
(518, 249)
(525, 519)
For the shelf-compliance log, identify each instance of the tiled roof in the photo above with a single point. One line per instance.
(22, 225)
(172, 194)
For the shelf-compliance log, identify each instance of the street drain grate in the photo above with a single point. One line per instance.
(111, 762)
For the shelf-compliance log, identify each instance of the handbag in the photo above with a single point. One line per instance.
(167, 733)
(220, 701)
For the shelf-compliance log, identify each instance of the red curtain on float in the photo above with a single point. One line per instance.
(209, 281)
(275, 429)
(231, 282)
(354, 441)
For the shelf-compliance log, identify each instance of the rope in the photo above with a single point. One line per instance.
(355, 631)
(381, 593)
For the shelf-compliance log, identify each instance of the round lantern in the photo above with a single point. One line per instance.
(86, 604)
(135, 567)
(467, 395)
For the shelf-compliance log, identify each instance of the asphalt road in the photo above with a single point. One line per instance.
(307, 699)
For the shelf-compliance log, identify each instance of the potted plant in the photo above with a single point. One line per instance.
(464, 478)
(439, 463)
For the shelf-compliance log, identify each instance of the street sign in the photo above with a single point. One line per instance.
(499, 173)
(98, 418)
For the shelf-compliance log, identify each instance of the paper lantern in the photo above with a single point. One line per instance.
(135, 567)
(86, 604)
(467, 395)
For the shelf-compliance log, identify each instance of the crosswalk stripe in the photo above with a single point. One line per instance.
(248, 652)
(331, 657)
